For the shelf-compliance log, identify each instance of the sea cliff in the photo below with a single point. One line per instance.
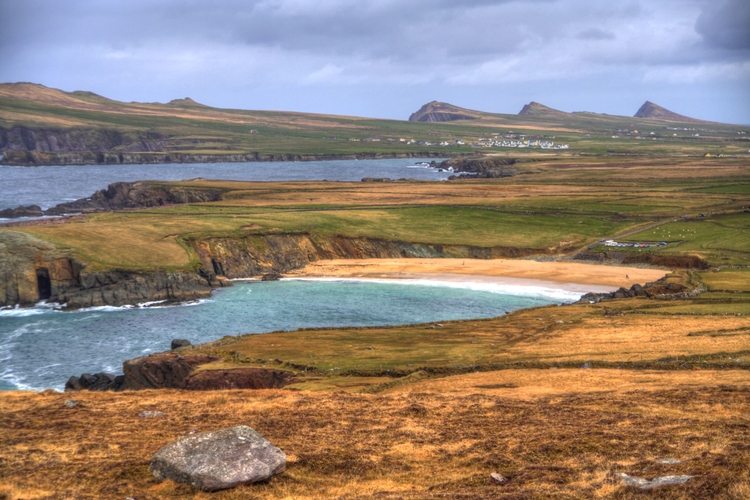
(33, 270)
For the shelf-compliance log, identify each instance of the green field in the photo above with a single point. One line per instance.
(724, 239)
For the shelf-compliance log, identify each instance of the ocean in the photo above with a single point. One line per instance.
(50, 185)
(41, 347)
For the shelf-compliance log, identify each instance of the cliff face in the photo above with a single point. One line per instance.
(20, 138)
(104, 157)
(255, 255)
(32, 270)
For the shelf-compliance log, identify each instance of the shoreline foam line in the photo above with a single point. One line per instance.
(556, 293)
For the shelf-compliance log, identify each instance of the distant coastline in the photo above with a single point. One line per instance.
(38, 158)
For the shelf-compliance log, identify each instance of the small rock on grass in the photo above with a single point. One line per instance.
(645, 484)
(150, 414)
(498, 478)
(218, 460)
(71, 403)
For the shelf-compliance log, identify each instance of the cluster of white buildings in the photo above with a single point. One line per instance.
(613, 243)
(519, 144)
(499, 141)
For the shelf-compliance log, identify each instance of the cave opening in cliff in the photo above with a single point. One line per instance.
(44, 284)
(218, 268)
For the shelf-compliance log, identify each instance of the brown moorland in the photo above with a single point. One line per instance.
(415, 445)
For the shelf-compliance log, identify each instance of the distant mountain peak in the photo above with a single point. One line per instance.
(653, 111)
(184, 102)
(536, 109)
(436, 111)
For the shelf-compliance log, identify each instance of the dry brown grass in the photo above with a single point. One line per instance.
(536, 384)
(412, 446)
(627, 333)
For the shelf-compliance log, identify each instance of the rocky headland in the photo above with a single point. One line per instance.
(479, 167)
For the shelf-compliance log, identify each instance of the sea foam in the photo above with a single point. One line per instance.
(533, 291)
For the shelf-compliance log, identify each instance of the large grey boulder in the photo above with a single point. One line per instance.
(218, 460)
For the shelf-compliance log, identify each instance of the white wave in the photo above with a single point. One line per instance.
(151, 303)
(18, 312)
(142, 305)
(532, 291)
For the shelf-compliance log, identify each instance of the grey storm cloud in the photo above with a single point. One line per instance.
(726, 24)
(462, 31)
(233, 49)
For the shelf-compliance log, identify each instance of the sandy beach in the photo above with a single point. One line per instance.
(571, 276)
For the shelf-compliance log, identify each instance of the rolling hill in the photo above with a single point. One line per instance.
(41, 125)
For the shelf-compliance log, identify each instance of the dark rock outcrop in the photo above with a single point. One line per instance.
(122, 195)
(218, 460)
(97, 382)
(271, 277)
(162, 371)
(178, 371)
(376, 179)
(239, 378)
(486, 168)
(21, 211)
(660, 288)
(177, 343)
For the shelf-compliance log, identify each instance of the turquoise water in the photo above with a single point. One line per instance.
(41, 347)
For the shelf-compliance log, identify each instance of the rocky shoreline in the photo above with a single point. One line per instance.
(177, 370)
(478, 167)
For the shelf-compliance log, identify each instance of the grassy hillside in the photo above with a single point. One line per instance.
(185, 127)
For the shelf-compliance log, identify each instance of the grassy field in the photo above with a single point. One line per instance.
(723, 239)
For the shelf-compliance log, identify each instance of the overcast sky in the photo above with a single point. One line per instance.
(385, 58)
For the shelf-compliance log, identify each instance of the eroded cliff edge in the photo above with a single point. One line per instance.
(32, 269)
